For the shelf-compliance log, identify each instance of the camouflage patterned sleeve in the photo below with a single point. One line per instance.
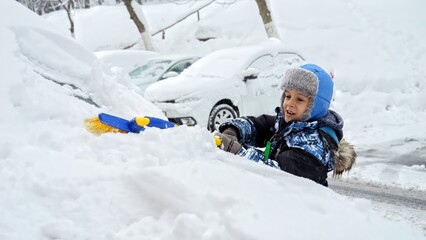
(245, 128)
(257, 156)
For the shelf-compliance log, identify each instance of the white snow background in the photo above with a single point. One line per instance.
(57, 181)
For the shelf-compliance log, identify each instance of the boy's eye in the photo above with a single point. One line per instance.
(300, 99)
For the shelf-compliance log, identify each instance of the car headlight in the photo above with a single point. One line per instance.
(187, 99)
(180, 100)
(189, 121)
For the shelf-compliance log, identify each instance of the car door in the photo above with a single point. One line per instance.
(259, 99)
(263, 91)
(282, 62)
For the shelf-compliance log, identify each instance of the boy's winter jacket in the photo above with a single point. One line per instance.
(306, 149)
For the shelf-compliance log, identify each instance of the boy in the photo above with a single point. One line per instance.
(304, 138)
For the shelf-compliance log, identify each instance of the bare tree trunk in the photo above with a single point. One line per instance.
(40, 9)
(68, 9)
(267, 18)
(68, 5)
(146, 37)
(86, 4)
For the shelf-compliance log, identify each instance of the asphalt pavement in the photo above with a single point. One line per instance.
(394, 203)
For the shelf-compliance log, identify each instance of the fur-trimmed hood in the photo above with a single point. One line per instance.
(345, 155)
(344, 158)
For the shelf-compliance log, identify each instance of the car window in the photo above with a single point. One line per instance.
(180, 66)
(283, 61)
(290, 59)
(151, 70)
(262, 65)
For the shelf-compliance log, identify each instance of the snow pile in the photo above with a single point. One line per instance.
(60, 182)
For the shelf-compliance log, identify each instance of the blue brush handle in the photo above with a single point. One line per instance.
(160, 123)
(132, 125)
(115, 122)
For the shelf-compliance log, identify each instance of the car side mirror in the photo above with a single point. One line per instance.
(170, 74)
(250, 74)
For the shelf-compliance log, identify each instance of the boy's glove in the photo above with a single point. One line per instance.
(229, 139)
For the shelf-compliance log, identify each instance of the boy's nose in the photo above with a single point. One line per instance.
(291, 102)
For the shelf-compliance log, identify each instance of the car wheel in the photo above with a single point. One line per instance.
(221, 113)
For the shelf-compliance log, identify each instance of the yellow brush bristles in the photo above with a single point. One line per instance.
(95, 126)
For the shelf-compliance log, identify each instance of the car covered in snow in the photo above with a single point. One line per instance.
(160, 67)
(225, 84)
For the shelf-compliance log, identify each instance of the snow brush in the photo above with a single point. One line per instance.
(106, 123)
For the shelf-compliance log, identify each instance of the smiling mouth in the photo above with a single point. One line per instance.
(288, 112)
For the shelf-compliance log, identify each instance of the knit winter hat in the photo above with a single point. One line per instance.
(313, 82)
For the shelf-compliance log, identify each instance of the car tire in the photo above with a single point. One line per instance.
(221, 113)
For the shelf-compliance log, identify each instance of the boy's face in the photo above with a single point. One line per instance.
(294, 105)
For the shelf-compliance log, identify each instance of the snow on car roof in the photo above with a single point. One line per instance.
(126, 59)
(227, 62)
(176, 57)
(116, 53)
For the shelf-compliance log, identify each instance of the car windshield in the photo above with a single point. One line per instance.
(151, 70)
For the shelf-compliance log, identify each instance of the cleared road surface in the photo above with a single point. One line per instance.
(393, 203)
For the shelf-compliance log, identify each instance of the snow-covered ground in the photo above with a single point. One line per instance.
(376, 51)
(57, 181)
